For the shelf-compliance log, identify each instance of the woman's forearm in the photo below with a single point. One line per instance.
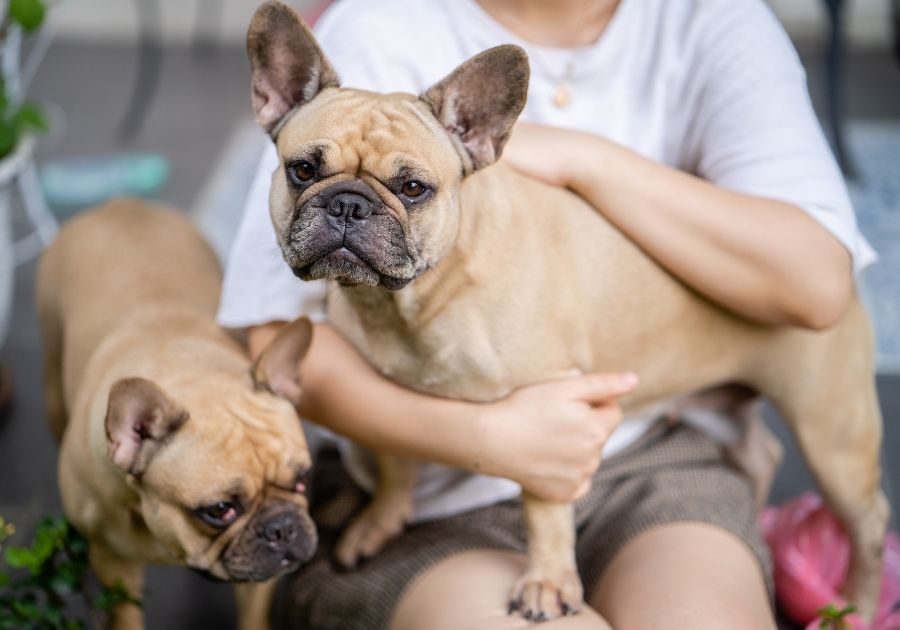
(342, 392)
(764, 259)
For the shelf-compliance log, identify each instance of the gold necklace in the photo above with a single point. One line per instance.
(562, 91)
(562, 88)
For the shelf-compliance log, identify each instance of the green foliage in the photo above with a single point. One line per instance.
(17, 119)
(111, 597)
(39, 581)
(833, 618)
(29, 14)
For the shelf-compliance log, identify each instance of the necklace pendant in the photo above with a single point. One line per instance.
(562, 96)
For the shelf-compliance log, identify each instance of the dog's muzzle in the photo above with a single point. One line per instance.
(347, 234)
(277, 541)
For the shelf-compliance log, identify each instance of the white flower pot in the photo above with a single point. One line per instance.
(10, 166)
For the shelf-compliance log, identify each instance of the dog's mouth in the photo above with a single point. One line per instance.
(348, 268)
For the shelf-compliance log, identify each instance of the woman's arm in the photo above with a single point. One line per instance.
(547, 437)
(764, 259)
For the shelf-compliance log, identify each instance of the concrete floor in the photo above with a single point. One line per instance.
(201, 99)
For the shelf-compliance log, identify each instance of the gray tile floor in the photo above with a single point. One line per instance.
(201, 99)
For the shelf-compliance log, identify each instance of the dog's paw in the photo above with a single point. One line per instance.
(370, 532)
(541, 595)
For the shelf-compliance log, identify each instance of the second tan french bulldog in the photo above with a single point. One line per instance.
(175, 450)
(467, 281)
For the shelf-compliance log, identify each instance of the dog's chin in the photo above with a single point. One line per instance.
(267, 571)
(348, 269)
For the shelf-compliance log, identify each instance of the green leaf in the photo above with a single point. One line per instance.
(28, 13)
(114, 596)
(66, 579)
(19, 557)
(30, 116)
(27, 610)
(9, 136)
(833, 617)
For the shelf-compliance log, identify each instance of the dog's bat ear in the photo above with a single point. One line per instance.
(278, 367)
(480, 101)
(287, 67)
(139, 417)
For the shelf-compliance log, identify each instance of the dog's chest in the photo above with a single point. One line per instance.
(452, 355)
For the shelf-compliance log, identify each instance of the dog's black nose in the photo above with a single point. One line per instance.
(350, 207)
(282, 529)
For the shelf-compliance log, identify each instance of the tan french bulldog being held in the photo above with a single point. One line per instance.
(466, 281)
(174, 451)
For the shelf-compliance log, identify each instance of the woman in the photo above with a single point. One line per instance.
(687, 125)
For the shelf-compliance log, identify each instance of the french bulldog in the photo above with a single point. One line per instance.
(467, 280)
(175, 450)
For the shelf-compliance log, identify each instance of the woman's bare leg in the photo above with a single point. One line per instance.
(470, 591)
(684, 575)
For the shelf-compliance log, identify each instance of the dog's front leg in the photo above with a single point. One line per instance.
(550, 587)
(114, 571)
(254, 600)
(385, 517)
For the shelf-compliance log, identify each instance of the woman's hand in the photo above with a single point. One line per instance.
(548, 437)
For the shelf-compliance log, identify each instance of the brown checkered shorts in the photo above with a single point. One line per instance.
(673, 474)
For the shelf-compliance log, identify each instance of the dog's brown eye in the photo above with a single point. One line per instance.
(413, 188)
(302, 171)
(219, 515)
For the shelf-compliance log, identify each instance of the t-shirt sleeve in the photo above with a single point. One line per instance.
(259, 287)
(755, 128)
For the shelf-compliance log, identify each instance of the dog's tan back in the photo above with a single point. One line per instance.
(144, 260)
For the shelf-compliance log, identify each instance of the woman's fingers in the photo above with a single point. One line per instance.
(601, 388)
(549, 437)
(582, 490)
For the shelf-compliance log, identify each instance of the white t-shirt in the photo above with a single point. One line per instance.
(711, 87)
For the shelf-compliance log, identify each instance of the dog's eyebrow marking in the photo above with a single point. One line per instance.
(313, 153)
(405, 170)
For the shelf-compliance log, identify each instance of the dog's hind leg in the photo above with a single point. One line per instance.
(52, 340)
(842, 449)
(831, 404)
(757, 452)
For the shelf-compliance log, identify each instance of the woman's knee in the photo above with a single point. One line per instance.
(470, 591)
(685, 575)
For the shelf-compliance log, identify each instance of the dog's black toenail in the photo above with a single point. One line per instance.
(538, 618)
(513, 607)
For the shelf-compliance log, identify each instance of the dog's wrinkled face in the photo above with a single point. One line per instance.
(366, 192)
(221, 469)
